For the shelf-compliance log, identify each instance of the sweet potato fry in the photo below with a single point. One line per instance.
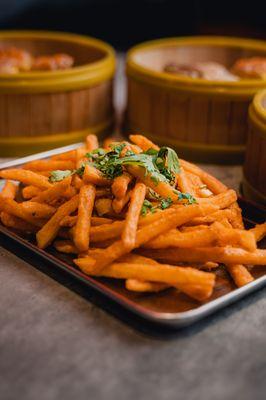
(216, 216)
(143, 142)
(259, 231)
(171, 218)
(233, 237)
(118, 205)
(164, 189)
(224, 255)
(241, 276)
(67, 156)
(92, 142)
(132, 217)
(222, 200)
(82, 228)
(54, 192)
(92, 175)
(28, 192)
(120, 185)
(9, 190)
(11, 221)
(135, 285)
(198, 238)
(108, 231)
(212, 183)
(10, 206)
(103, 206)
(26, 177)
(196, 284)
(47, 234)
(38, 210)
(65, 246)
(49, 165)
(183, 183)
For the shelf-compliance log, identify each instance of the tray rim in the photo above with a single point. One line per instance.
(177, 320)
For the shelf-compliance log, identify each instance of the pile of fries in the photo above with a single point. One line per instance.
(134, 211)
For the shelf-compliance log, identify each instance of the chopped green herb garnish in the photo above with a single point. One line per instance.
(147, 206)
(165, 203)
(185, 196)
(59, 175)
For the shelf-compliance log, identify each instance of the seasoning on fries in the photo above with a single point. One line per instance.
(134, 211)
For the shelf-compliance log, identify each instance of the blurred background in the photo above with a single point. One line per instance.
(123, 23)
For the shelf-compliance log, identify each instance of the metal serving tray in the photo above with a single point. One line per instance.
(169, 309)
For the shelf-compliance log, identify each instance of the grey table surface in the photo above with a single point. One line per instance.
(55, 344)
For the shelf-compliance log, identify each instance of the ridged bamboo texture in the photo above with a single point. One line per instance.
(255, 162)
(31, 115)
(175, 115)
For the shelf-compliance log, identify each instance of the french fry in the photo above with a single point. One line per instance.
(198, 238)
(132, 217)
(103, 206)
(38, 210)
(135, 285)
(103, 192)
(109, 231)
(30, 191)
(236, 221)
(65, 246)
(10, 206)
(233, 237)
(118, 205)
(120, 185)
(143, 142)
(77, 181)
(225, 255)
(183, 183)
(11, 221)
(49, 165)
(107, 142)
(70, 220)
(164, 189)
(67, 156)
(92, 175)
(241, 276)
(48, 232)
(9, 190)
(196, 284)
(80, 156)
(171, 218)
(259, 231)
(92, 142)
(212, 183)
(192, 240)
(82, 228)
(222, 200)
(26, 177)
(216, 216)
(54, 192)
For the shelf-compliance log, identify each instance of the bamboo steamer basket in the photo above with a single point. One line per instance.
(47, 109)
(203, 120)
(254, 177)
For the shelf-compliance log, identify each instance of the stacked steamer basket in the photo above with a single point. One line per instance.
(254, 180)
(204, 120)
(46, 109)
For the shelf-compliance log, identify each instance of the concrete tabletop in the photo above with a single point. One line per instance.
(56, 342)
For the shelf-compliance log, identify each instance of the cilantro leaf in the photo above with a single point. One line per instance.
(185, 196)
(59, 175)
(171, 159)
(165, 203)
(147, 206)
